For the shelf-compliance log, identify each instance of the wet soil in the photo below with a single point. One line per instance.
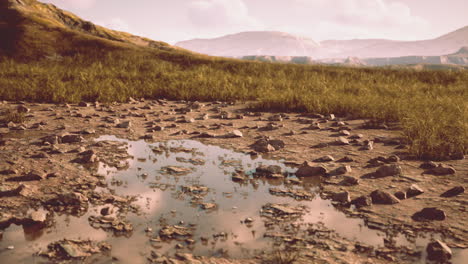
(162, 182)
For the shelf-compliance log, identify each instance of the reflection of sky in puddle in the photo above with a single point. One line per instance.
(235, 202)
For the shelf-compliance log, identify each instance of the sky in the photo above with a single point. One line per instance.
(177, 20)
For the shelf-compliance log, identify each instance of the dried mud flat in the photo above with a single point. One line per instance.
(284, 187)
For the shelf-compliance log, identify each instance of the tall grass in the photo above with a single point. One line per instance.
(430, 105)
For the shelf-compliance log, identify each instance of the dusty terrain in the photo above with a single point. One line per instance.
(49, 162)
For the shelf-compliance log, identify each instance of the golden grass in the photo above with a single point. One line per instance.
(430, 105)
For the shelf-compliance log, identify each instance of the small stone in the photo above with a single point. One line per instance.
(345, 133)
(307, 170)
(327, 158)
(388, 170)
(248, 220)
(158, 128)
(428, 165)
(453, 192)
(362, 201)
(342, 197)
(429, 214)
(11, 247)
(235, 134)
(343, 170)
(438, 251)
(368, 145)
(441, 170)
(83, 104)
(342, 141)
(23, 109)
(382, 197)
(414, 190)
(68, 139)
(400, 195)
(349, 181)
(124, 124)
(88, 131)
(31, 176)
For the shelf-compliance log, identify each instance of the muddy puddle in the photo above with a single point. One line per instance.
(186, 200)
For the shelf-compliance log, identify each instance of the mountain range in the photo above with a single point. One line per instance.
(266, 43)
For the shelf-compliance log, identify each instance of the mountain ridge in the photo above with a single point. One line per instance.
(228, 46)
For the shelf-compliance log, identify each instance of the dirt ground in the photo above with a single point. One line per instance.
(38, 167)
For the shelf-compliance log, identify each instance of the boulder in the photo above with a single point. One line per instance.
(382, 197)
(438, 251)
(307, 170)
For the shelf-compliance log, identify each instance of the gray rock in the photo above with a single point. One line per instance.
(307, 170)
(382, 197)
(438, 251)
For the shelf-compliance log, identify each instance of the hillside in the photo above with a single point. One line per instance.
(253, 43)
(283, 44)
(31, 29)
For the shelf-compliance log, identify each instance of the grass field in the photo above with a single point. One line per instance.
(430, 105)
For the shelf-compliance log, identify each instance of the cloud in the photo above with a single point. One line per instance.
(228, 15)
(115, 24)
(81, 4)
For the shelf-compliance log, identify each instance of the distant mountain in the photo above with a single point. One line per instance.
(459, 58)
(253, 43)
(282, 44)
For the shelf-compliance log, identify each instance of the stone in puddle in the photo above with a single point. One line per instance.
(269, 170)
(438, 251)
(414, 190)
(388, 170)
(307, 170)
(176, 170)
(382, 197)
(453, 192)
(172, 232)
(429, 214)
(208, 206)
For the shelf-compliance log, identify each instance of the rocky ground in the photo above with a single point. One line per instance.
(49, 161)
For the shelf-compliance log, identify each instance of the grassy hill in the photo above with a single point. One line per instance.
(53, 56)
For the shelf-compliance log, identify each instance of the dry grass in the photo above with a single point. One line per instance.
(430, 105)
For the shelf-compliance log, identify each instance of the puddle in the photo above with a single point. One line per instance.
(163, 201)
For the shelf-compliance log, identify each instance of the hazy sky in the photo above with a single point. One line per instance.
(175, 20)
